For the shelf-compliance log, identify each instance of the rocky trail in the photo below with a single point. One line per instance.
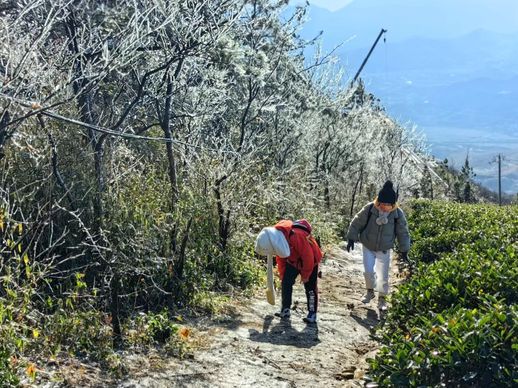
(252, 347)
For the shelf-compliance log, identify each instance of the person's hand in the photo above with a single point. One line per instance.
(350, 245)
(404, 257)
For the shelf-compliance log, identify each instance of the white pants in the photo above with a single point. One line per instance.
(376, 265)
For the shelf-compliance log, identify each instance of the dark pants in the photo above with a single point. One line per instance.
(310, 286)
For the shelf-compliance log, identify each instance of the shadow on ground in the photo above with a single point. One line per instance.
(283, 333)
(371, 320)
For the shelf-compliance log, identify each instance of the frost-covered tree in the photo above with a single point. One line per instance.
(158, 137)
(426, 183)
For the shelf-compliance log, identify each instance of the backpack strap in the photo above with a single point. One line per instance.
(368, 218)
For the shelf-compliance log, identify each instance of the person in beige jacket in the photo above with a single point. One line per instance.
(377, 226)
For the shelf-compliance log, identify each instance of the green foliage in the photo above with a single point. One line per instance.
(16, 289)
(454, 321)
(464, 186)
(462, 278)
(148, 329)
(211, 303)
(442, 227)
(459, 347)
(8, 376)
(27, 325)
(426, 184)
(77, 331)
(151, 328)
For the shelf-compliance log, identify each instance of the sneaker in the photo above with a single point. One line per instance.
(382, 303)
(311, 318)
(284, 313)
(368, 296)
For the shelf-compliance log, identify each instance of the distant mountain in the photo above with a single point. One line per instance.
(481, 103)
(450, 67)
(479, 52)
(470, 81)
(404, 19)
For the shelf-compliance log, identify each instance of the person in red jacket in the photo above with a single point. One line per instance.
(305, 255)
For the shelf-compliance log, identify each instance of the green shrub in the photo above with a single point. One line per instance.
(8, 375)
(77, 331)
(460, 347)
(461, 278)
(454, 322)
(17, 285)
(149, 329)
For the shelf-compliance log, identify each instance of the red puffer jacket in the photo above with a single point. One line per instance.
(304, 251)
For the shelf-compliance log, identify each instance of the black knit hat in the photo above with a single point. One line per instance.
(387, 193)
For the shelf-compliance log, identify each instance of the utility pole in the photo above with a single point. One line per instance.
(499, 161)
(368, 55)
(499, 180)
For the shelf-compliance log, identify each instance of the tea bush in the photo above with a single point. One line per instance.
(460, 347)
(461, 278)
(454, 322)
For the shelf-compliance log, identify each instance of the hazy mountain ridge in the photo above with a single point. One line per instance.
(470, 80)
(462, 90)
(482, 103)
(439, 19)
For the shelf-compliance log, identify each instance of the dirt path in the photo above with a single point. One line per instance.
(253, 348)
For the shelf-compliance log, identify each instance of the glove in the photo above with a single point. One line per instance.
(350, 245)
(404, 256)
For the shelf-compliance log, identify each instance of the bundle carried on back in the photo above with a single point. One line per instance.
(271, 242)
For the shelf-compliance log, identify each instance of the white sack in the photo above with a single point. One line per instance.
(271, 242)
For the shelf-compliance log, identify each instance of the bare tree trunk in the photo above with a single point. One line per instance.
(85, 107)
(358, 184)
(244, 117)
(54, 163)
(324, 170)
(114, 310)
(224, 219)
(99, 179)
(166, 127)
(165, 122)
(179, 266)
(4, 119)
(327, 197)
